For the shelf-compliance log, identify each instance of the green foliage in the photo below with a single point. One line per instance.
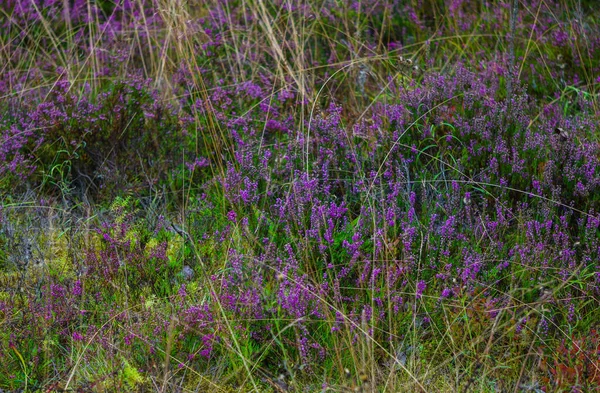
(131, 376)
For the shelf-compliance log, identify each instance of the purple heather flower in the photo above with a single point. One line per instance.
(77, 337)
(445, 293)
(57, 291)
(232, 216)
(421, 286)
(77, 288)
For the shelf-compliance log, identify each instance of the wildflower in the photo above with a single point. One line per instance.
(421, 286)
(232, 216)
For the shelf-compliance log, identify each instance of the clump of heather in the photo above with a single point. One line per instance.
(235, 195)
(94, 146)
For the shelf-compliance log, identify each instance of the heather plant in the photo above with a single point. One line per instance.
(299, 196)
(70, 141)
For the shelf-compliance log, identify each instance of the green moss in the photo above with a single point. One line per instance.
(131, 376)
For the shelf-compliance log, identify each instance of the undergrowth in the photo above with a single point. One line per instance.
(299, 196)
